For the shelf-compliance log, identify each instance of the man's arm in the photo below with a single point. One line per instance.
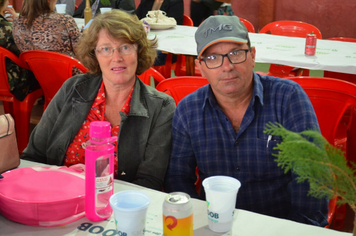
(181, 170)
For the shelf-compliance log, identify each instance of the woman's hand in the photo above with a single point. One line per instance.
(10, 14)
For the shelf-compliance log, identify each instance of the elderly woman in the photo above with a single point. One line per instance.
(39, 27)
(115, 48)
(21, 81)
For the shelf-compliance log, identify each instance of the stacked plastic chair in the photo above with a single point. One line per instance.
(334, 102)
(51, 70)
(20, 110)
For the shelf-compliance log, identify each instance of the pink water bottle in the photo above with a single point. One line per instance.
(99, 171)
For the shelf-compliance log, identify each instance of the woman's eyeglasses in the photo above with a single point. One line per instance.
(124, 49)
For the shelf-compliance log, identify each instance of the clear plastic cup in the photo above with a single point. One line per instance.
(221, 192)
(61, 8)
(104, 9)
(130, 209)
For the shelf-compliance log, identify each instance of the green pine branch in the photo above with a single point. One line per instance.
(313, 159)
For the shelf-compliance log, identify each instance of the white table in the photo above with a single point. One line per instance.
(330, 55)
(245, 223)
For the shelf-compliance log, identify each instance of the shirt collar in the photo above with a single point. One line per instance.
(209, 96)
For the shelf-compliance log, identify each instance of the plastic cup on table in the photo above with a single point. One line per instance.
(130, 209)
(221, 192)
(104, 9)
(61, 8)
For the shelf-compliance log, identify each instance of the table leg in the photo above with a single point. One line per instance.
(190, 65)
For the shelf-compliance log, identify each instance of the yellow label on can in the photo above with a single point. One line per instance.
(177, 227)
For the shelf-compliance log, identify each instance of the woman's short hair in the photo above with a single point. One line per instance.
(122, 26)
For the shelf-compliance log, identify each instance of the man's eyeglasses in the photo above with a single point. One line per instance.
(216, 60)
(124, 49)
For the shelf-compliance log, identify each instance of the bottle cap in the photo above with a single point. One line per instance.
(100, 129)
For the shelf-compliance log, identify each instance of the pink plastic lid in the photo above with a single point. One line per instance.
(100, 130)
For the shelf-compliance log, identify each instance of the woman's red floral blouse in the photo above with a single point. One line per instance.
(76, 150)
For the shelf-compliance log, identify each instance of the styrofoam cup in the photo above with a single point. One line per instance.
(221, 192)
(104, 9)
(61, 8)
(130, 209)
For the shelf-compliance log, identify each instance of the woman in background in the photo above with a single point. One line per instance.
(21, 81)
(39, 27)
(114, 48)
(173, 8)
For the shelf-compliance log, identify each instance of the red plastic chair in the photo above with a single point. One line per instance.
(179, 87)
(344, 39)
(343, 76)
(187, 20)
(20, 110)
(151, 72)
(351, 149)
(289, 28)
(51, 70)
(248, 25)
(334, 102)
(166, 69)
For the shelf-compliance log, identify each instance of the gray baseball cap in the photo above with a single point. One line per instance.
(220, 28)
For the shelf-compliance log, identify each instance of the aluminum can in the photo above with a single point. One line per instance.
(177, 215)
(310, 44)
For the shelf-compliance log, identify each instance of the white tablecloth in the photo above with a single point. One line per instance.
(245, 223)
(330, 55)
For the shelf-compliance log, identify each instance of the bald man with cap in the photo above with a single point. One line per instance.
(219, 128)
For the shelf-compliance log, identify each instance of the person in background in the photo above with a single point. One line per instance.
(172, 8)
(220, 127)
(115, 49)
(21, 81)
(39, 27)
(70, 6)
(202, 9)
(125, 5)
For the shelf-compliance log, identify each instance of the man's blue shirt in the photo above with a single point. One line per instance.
(203, 136)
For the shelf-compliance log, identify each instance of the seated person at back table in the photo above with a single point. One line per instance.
(125, 5)
(219, 128)
(39, 27)
(21, 81)
(114, 49)
(173, 8)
